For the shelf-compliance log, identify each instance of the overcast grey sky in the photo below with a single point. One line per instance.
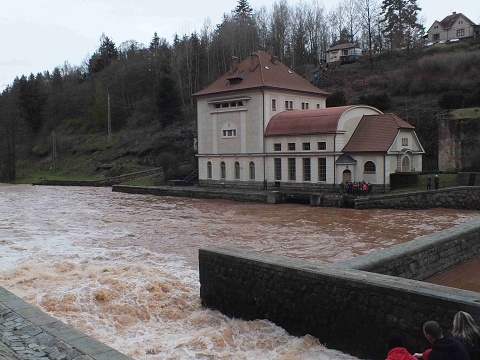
(38, 35)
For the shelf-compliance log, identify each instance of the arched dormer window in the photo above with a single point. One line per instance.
(369, 167)
(229, 130)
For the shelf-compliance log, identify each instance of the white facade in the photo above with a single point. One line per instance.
(262, 122)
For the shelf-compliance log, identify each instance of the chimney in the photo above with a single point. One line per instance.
(274, 60)
(254, 61)
(454, 13)
(233, 64)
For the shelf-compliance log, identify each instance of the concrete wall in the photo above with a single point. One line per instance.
(347, 309)
(463, 197)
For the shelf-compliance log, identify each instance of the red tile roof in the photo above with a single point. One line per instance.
(259, 71)
(450, 20)
(305, 122)
(375, 133)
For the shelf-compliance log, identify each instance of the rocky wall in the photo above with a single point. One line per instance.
(464, 197)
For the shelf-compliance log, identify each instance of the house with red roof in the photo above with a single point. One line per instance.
(263, 122)
(454, 26)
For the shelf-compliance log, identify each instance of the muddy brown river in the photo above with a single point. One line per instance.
(123, 268)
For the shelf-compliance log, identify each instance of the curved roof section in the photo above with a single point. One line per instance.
(306, 122)
(376, 133)
(260, 70)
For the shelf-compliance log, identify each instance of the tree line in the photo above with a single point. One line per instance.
(154, 82)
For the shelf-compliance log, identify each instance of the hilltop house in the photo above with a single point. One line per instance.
(343, 53)
(454, 26)
(262, 121)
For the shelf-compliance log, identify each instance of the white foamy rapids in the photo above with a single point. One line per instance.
(145, 305)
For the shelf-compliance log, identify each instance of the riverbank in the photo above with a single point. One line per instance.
(461, 197)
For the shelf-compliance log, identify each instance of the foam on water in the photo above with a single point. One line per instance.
(147, 306)
(123, 268)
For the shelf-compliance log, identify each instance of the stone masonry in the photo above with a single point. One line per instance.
(351, 306)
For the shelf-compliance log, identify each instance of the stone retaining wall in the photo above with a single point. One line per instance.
(347, 309)
(103, 182)
(195, 192)
(424, 256)
(464, 197)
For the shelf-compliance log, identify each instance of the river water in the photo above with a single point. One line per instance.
(123, 268)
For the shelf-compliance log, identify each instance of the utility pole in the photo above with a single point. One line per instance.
(109, 120)
(54, 151)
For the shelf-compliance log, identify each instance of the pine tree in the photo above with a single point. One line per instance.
(400, 19)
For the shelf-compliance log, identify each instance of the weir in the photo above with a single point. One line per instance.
(352, 305)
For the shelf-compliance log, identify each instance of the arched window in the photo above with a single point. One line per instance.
(209, 170)
(369, 167)
(251, 166)
(223, 171)
(237, 170)
(406, 164)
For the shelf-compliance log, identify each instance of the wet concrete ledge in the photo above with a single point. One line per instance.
(28, 333)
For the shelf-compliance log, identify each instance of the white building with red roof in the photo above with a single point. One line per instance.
(262, 121)
(454, 26)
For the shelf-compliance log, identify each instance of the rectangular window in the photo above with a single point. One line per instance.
(304, 106)
(322, 169)
(229, 133)
(318, 106)
(291, 146)
(306, 146)
(404, 141)
(322, 145)
(307, 174)
(277, 169)
(292, 171)
(436, 36)
(277, 147)
(461, 32)
(274, 105)
(288, 105)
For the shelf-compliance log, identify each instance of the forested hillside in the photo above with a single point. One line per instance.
(130, 106)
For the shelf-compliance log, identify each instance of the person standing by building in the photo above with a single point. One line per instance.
(429, 183)
(436, 181)
(468, 333)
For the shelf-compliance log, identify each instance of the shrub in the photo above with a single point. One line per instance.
(338, 98)
(451, 100)
(380, 101)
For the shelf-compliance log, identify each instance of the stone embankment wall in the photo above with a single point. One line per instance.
(194, 192)
(348, 309)
(423, 257)
(103, 182)
(463, 197)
